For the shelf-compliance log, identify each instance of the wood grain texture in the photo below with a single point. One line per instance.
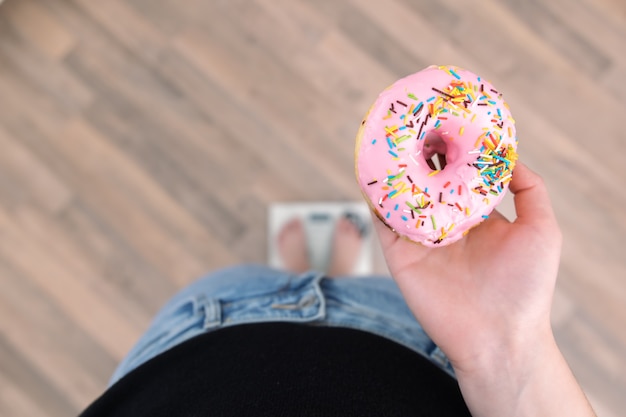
(142, 142)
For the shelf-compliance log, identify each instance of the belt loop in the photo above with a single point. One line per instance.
(212, 313)
(440, 358)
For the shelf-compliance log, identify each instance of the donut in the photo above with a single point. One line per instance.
(435, 154)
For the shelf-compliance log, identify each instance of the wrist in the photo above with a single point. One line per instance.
(525, 378)
(507, 351)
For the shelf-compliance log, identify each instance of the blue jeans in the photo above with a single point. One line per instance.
(255, 294)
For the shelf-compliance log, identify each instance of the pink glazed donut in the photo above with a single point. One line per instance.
(435, 154)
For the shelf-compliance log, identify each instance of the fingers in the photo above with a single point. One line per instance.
(399, 252)
(532, 202)
(385, 235)
(392, 243)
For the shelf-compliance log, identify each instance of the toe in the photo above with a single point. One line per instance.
(347, 226)
(290, 227)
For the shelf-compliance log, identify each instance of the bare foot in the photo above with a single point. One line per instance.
(292, 247)
(347, 243)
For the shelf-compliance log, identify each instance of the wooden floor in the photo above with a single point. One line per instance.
(141, 142)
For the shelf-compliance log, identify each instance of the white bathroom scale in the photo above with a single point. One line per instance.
(319, 223)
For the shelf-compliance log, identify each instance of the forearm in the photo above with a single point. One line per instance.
(536, 382)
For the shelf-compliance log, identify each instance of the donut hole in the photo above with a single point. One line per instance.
(435, 150)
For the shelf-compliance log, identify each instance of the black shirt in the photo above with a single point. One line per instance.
(282, 369)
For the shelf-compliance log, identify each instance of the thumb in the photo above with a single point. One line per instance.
(532, 202)
(398, 251)
(386, 236)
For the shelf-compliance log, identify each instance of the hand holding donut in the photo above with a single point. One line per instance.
(485, 301)
(480, 285)
(483, 292)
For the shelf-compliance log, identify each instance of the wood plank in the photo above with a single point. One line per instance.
(121, 276)
(31, 236)
(115, 179)
(63, 371)
(414, 32)
(572, 44)
(46, 34)
(14, 402)
(376, 41)
(252, 131)
(127, 26)
(277, 141)
(40, 186)
(604, 31)
(53, 87)
(597, 368)
(20, 382)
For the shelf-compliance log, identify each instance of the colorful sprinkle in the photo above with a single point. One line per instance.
(403, 138)
(391, 130)
(454, 74)
(412, 207)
